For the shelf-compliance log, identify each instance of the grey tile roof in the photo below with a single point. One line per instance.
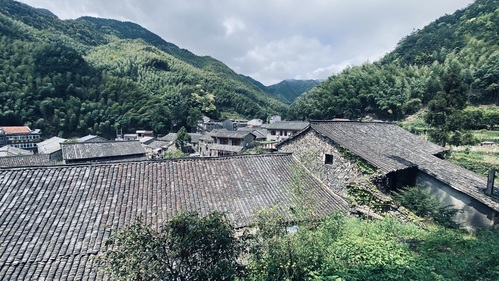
(206, 138)
(195, 137)
(55, 220)
(9, 150)
(146, 140)
(170, 137)
(27, 161)
(229, 134)
(259, 133)
(390, 148)
(385, 145)
(50, 146)
(159, 144)
(226, 147)
(91, 138)
(92, 150)
(288, 125)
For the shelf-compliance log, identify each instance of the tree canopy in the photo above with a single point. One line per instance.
(92, 76)
(459, 48)
(187, 247)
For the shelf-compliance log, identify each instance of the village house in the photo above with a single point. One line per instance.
(144, 133)
(230, 142)
(51, 147)
(254, 123)
(205, 142)
(34, 160)
(85, 152)
(91, 138)
(279, 131)
(20, 137)
(7, 151)
(54, 221)
(332, 151)
(155, 148)
(283, 130)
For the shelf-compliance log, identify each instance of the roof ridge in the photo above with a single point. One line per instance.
(182, 159)
(339, 120)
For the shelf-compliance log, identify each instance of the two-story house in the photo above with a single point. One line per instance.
(20, 137)
(283, 130)
(230, 142)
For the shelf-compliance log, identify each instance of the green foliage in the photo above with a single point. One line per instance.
(172, 154)
(75, 77)
(347, 248)
(182, 139)
(288, 90)
(362, 193)
(445, 110)
(186, 247)
(478, 161)
(362, 164)
(420, 202)
(334, 248)
(476, 118)
(451, 62)
(281, 254)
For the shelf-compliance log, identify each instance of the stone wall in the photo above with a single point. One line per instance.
(310, 149)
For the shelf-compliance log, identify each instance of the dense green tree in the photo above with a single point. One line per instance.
(101, 74)
(445, 110)
(182, 139)
(186, 247)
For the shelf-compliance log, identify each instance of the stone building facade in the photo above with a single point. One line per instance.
(337, 153)
(324, 160)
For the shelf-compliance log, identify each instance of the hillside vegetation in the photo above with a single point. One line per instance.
(288, 91)
(448, 65)
(89, 75)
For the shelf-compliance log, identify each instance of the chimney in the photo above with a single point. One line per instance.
(490, 182)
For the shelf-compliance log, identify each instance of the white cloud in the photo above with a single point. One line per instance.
(233, 25)
(272, 40)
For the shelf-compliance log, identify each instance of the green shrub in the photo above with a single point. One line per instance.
(420, 202)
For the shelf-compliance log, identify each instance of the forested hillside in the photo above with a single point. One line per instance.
(89, 75)
(448, 65)
(288, 90)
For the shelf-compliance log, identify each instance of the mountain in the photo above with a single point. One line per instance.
(458, 51)
(288, 90)
(92, 75)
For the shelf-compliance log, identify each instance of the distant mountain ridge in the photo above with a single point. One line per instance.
(92, 75)
(289, 90)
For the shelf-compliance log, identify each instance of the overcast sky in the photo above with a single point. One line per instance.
(272, 40)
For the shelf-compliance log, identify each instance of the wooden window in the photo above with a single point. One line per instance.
(328, 159)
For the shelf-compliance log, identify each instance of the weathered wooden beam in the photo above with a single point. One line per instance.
(490, 182)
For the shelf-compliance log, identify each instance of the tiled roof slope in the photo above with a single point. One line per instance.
(229, 134)
(51, 145)
(11, 130)
(385, 145)
(390, 148)
(90, 150)
(54, 220)
(9, 150)
(27, 161)
(288, 125)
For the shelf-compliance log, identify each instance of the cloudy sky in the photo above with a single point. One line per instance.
(272, 40)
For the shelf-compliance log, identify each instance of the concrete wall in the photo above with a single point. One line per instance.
(474, 213)
(310, 149)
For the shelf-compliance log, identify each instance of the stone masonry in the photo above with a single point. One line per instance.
(310, 149)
